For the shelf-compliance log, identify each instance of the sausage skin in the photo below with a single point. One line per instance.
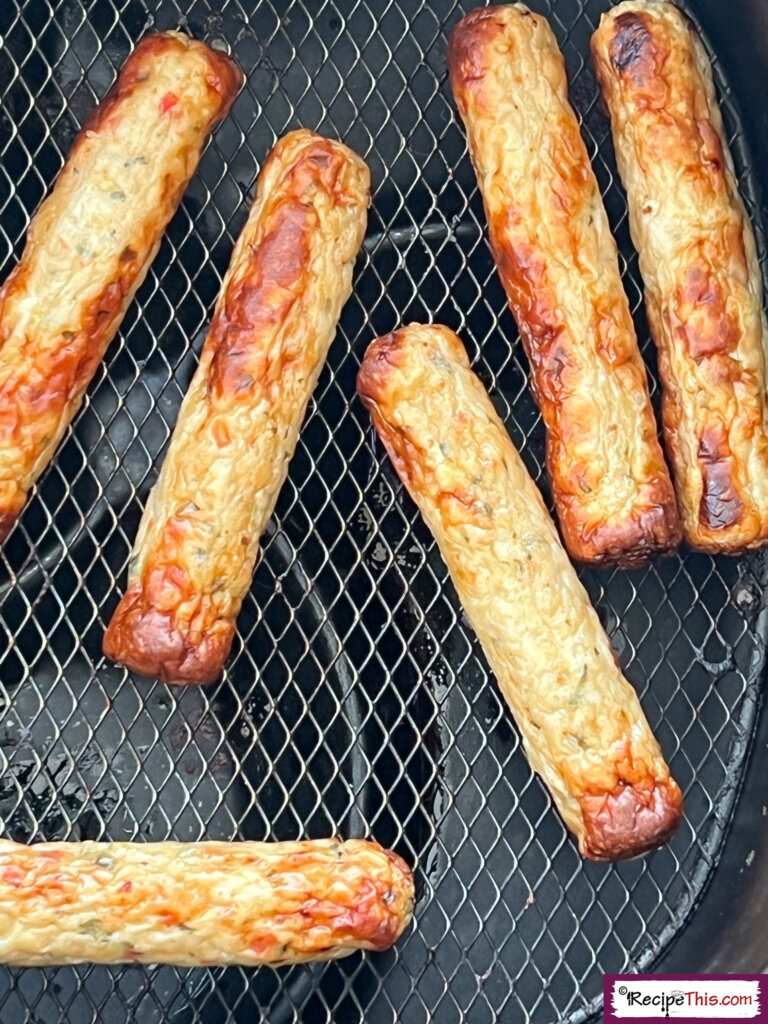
(581, 722)
(197, 545)
(91, 243)
(703, 287)
(559, 266)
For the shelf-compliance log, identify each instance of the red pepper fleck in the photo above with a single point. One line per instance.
(168, 102)
(125, 887)
(13, 875)
(263, 945)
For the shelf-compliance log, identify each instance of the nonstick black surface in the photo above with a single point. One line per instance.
(356, 700)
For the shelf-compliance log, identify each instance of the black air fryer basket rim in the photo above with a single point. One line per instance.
(356, 700)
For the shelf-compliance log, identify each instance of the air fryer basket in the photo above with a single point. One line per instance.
(356, 700)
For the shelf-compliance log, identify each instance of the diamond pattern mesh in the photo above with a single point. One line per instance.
(356, 700)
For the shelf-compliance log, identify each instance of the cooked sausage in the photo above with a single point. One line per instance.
(91, 242)
(581, 722)
(558, 263)
(195, 904)
(703, 289)
(290, 274)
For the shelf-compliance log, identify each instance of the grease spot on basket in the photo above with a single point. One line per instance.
(379, 553)
(409, 557)
(746, 596)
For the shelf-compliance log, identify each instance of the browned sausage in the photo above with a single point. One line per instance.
(92, 241)
(290, 274)
(703, 287)
(195, 904)
(582, 725)
(558, 263)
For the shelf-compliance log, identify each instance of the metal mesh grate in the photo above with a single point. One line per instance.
(357, 700)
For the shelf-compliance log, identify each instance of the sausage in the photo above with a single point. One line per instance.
(290, 274)
(196, 904)
(559, 266)
(703, 288)
(581, 722)
(91, 242)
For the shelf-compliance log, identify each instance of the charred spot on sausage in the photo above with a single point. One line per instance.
(630, 46)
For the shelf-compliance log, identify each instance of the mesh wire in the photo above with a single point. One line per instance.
(356, 700)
